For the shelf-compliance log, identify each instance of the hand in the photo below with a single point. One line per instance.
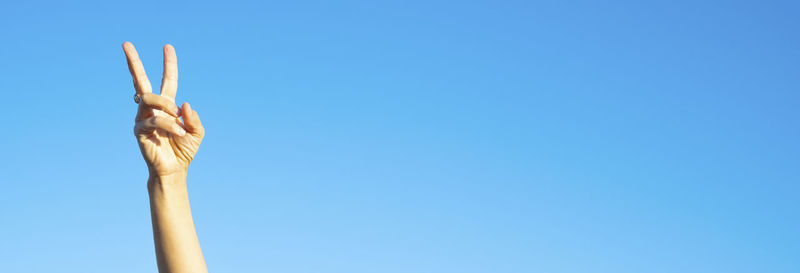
(167, 144)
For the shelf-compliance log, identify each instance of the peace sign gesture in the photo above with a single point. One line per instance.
(167, 144)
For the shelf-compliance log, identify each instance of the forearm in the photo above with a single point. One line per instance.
(177, 247)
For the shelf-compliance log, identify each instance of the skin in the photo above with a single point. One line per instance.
(168, 144)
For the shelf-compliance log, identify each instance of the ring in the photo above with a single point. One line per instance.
(137, 99)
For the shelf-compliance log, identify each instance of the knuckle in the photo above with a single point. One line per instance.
(137, 127)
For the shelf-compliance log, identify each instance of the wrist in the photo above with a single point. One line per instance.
(171, 179)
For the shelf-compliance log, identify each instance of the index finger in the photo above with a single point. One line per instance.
(169, 82)
(140, 81)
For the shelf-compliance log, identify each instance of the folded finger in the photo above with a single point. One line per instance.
(147, 126)
(191, 120)
(159, 102)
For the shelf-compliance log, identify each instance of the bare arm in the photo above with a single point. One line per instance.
(177, 247)
(168, 145)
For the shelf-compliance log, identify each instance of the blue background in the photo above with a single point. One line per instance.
(397, 136)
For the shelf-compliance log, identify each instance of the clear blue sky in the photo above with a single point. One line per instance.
(428, 136)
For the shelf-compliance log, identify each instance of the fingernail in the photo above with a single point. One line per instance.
(181, 131)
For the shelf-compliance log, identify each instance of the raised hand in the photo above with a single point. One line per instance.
(167, 144)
